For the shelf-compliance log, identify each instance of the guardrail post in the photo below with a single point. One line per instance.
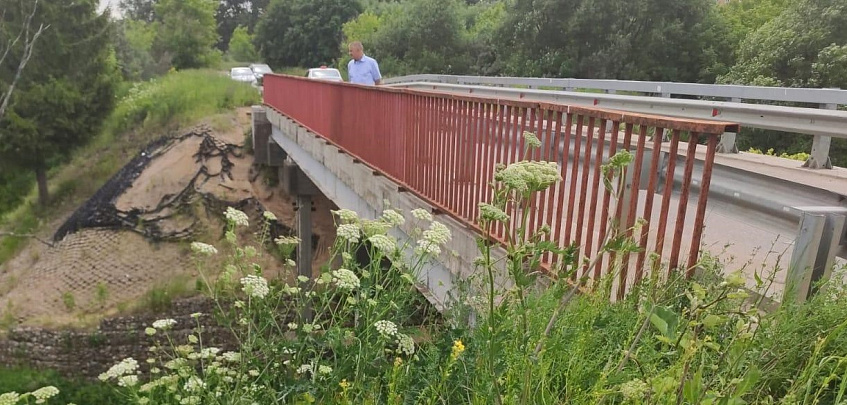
(727, 142)
(820, 147)
(821, 232)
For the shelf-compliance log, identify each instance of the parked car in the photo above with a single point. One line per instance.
(259, 70)
(325, 73)
(242, 74)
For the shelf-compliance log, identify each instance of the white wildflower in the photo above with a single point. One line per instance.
(530, 176)
(386, 328)
(269, 216)
(345, 279)
(255, 286)
(303, 279)
(203, 248)
(192, 339)
(190, 400)
(383, 242)
(426, 247)
(126, 366)
(405, 344)
(164, 323)
(290, 263)
(9, 398)
(237, 217)
(196, 315)
(287, 240)
(305, 368)
(531, 140)
(324, 369)
(44, 393)
(437, 233)
(349, 232)
(128, 380)
(393, 217)
(307, 327)
(293, 326)
(209, 352)
(232, 357)
(347, 215)
(421, 214)
(492, 213)
(634, 390)
(194, 384)
(253, 373)
(150, 331)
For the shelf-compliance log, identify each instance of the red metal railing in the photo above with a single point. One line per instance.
(445, 147)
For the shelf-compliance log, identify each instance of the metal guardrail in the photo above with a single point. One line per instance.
(665, 89)
(823, 123)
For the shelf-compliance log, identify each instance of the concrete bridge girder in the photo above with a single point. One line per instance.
(353, 185)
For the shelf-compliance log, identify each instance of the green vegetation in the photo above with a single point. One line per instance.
(160, 298)
(369, 338)
(241, 46)
(76, 391)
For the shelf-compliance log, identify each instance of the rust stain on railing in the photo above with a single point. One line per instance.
(444, 148)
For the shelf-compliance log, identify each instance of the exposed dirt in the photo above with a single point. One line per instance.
(133, 235)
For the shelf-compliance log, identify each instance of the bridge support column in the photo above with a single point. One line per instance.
(820, 234)
(820, 147)
(296, 183)
(261, 134)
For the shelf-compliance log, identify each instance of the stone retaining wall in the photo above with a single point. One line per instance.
(76, 353)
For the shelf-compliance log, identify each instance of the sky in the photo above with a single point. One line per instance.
(113, 3)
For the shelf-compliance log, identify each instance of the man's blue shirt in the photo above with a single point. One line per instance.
(363, 71)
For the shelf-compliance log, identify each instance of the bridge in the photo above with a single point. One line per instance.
(368, 148)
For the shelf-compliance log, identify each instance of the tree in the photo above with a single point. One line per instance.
(805, 46)
(636, 40)
(139, 10)
(237, 13)
(133, 48)
(187, 32)
(241, 47)
(66, 92)
(303, 32)
(17, 43)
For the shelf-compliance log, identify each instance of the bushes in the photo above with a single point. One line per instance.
(177, 99)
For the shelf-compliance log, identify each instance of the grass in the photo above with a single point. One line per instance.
(160, 298)
(70, 390)
(147, 111)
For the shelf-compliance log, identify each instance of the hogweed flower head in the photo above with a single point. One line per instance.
(126, 366)
(345, 279)
(44, 393)
(421, 214)
(529, 176)
(347, 216)
(269, 216)
(239, 218)
(349, 232)
(255, 286)
(287, 240)
(405, 344)
(386, 328)
(164, 323)
(492, 213)
(203, 248)
(384, 243)
(531, 140)
(393, 217)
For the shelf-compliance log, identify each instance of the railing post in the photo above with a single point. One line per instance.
(727, 141)
(820, 233)
(820, 147)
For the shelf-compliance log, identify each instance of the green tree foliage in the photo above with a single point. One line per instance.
(187, 32)
(303, 32)
(66, 92)
(133, 46)
(139, 10)
(744, 17)
(235, 13)
(805, 46)
(241, 47)
(636, 40)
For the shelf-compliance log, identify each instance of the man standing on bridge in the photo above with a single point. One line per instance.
(362, 69)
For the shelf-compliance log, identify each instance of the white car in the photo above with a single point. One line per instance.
(242, 74)
(325, 73)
